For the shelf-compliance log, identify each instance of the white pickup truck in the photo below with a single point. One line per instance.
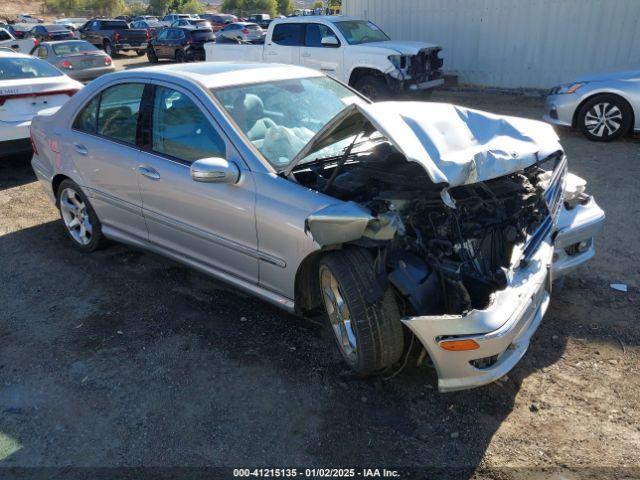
(354, 51)
(22, 46)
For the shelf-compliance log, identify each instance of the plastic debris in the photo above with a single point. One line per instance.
(620, 287)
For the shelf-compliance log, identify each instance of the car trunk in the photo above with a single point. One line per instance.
(84, 60)
(20, 102)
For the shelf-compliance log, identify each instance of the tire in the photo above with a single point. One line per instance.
(151, 55)
(604, 118)
(75, 207)
(374, 88)
(373, 338)
(109, 50)
(140, 52)
(179, 56)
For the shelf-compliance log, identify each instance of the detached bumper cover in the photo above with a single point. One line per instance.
(503, 330)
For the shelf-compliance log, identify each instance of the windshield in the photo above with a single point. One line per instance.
(18, 68)
(119, 25)
(279, 118)
(67, 48)
(357, 32)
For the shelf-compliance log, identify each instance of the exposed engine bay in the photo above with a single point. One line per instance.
(444, 250)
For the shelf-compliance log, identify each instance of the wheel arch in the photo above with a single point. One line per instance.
(307, 286)
(574, 120)
(358, 73)
(55, 184)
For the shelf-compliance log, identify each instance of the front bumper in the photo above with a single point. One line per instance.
(503, 330)
(560, 109)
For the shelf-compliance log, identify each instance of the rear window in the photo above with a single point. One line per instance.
(55, 28)
(253, 26)
(289, 34)
(115, 25)
(72, 47)
(18, 68)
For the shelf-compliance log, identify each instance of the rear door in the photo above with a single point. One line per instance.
(103, 146)
(285, 43)
(212, 224)
(324, 57)
(160, 43)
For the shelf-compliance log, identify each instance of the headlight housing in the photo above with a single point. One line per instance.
(567, 88)
(398, 61)
(574, 191)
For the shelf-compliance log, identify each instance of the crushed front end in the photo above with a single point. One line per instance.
(419, 71)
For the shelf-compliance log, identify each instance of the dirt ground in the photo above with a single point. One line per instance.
(123, 358)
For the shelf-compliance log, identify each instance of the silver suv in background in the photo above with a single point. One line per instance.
(292, 186)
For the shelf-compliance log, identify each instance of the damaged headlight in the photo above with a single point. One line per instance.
(399, 61)
(574, 193)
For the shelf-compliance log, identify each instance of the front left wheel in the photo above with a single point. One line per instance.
(80, 220)
(369, 334)
(605, 118)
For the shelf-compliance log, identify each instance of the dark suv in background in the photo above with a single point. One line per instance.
(44, 33)
(180, 44)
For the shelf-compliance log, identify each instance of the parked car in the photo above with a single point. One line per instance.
(149, 18)
(603, 106)
(77, 58)
(293, 187)
(28, 18)
(219, 20)
(73, 23)
(191, 22)
(44, 33)
(354, 51)
(114, 36)
(151, 26)
(23, 46)
(262, 19)
(19, 30)
(241, 32)
(172, 17)
(28, 86)
(125, 18)
(181, 44)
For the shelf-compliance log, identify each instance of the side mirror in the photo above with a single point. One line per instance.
(330, 41)
(215, 170)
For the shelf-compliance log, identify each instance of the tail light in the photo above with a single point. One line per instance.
(116, 36)
(33, 143)
(36, 43)
(245, 31)
(107, 60)
(49, 35)
(71, 92)
(189, 41)
(66, 64)
(148, 35)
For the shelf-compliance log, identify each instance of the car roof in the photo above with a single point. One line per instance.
(58, 42)
(223, 74)
(315, 18)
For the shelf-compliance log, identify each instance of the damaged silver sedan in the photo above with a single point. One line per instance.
(397, 221)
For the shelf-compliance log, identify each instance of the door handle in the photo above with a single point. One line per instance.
(81, 149)
(149, 172)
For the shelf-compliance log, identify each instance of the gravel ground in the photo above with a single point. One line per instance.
(123, 358)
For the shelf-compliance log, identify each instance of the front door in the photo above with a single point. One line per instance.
(210, 224)
(102, 145)
(325, 56)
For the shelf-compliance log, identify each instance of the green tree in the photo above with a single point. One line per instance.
(68, 7)
(318, 4)
(137, 8)
(247, 7)
(158, 7)
(285, 7)
(192, 6)
(108, 8)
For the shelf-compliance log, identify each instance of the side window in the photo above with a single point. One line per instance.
(86, 121)
(289, 34)
(118, 114)
(315, 33)
(4, 35)
(180, 129)
(162, 35)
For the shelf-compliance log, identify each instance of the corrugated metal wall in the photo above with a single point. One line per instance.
(516, 43)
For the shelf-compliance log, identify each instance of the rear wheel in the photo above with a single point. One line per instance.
(369, 335)
(80, 220)
(140, 52)
(605, 118)
(372, 87)
(109, 50)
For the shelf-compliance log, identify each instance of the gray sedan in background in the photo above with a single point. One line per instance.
(603, 106)
(78, 59)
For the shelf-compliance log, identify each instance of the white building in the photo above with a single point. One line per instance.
(515, 43)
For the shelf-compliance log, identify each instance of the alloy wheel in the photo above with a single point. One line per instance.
(603, 119)
(76, 216)
(339, 315)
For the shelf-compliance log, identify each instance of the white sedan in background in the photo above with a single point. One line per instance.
(28, 87)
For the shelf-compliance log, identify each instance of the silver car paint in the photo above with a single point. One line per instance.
(262, 250)
(625, 84)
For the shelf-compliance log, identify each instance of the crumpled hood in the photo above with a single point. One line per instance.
(455, 145)
(605, 76)
(402, 47)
